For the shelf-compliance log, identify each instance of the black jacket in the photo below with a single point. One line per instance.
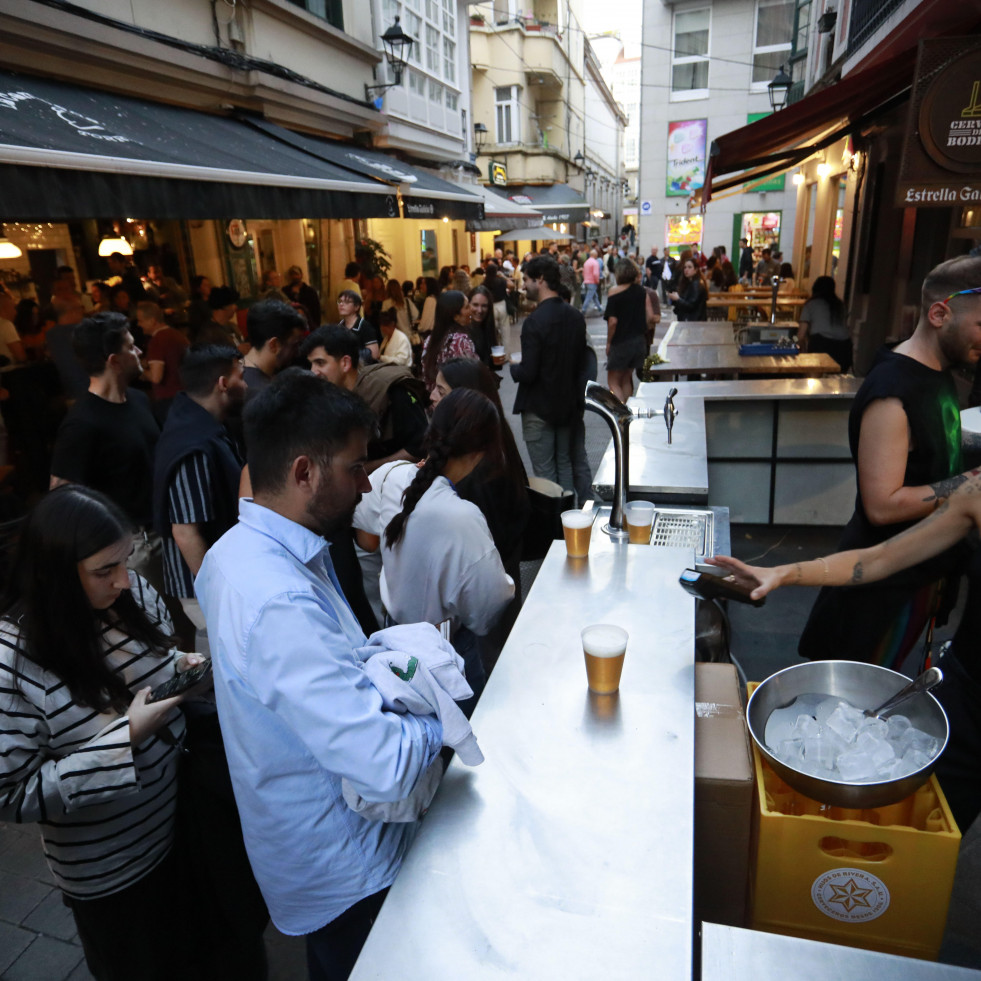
(553, 363)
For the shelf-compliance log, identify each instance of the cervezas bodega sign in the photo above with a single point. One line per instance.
(941, 164)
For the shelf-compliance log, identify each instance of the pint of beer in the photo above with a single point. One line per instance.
(604, 646)
(577, 527)
(639, 517)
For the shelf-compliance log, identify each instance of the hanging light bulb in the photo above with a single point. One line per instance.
(115, 243)
(8, 250)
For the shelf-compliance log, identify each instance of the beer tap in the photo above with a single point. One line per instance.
(618, 417)
(773, 304)
(670, 412)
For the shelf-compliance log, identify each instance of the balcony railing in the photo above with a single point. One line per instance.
(867, 17)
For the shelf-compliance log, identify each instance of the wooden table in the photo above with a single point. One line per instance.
(720, 301)
(721, 358)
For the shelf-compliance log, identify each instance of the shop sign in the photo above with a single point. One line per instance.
(237, 232)
(498, 173)
(942, 146)
(419, 209)
(686, 156)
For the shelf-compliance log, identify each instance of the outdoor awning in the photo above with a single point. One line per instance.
(554, 202)
(540, 234)
(500, 214)
(424, 195)
(69, 152)
(781, 141)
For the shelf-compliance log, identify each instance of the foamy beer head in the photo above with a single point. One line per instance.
(639, 516)
(604, 646)
(577, 527)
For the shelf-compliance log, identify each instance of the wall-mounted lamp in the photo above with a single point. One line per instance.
(397, 44)
(778, 89)
(479, 136)
(798, 178)
(824, 170)
(579, 160)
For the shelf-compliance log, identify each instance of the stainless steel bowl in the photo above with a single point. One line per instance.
(865, 686)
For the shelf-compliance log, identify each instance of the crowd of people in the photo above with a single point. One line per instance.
(200, 446)
(285, 488)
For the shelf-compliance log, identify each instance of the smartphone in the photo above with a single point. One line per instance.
(706, 586)
(180, 683)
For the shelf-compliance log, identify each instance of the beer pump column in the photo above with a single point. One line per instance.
(618, 418)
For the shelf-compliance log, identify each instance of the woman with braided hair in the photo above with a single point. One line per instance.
(438, 557)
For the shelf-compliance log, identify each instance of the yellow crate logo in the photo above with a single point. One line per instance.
(850, 895)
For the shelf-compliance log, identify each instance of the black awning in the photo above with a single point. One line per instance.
(72, 152)
(424, 195)
(554, 202)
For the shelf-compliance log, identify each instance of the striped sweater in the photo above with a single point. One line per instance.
(106, 809)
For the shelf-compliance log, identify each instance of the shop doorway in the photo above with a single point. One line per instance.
(760, 228)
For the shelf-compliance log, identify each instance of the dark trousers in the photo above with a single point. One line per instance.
(333, 950)
(218, 880)
(138, 934)
(841, 351)
(959, 768)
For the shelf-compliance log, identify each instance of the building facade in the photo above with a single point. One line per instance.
(706, 65)
(287, 70)
(551, 129)
(880, 140)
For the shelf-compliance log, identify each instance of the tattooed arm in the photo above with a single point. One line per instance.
(883, 449)
(948, 524)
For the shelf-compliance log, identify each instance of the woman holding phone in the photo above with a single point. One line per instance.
(82, 750)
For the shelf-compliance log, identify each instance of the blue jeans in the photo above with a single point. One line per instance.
(592, 297)
(549, 448)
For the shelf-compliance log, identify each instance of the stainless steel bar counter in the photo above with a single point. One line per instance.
(733, 954)
(568, 852)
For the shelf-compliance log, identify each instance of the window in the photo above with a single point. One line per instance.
(432, 48)
(417, 83)
(449, 60)
(452, 100)
(774, 34)
(506, 114)
(801, 29)
(689, 63)
(329, 10)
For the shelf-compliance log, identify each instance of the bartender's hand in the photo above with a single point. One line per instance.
(760, 580)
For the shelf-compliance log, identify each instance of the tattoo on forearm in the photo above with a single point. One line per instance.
(857, 572)
(799, 571)
(944, 488)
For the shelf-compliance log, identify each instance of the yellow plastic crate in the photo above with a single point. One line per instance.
(878, 878)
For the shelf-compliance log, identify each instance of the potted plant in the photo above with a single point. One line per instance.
(372, 257)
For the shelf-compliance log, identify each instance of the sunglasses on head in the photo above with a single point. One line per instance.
(976, 289)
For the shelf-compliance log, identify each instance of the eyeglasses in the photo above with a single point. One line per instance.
(976, 289)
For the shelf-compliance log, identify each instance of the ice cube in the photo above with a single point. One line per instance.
(805, 726)
(824, 709)
(855, 766)
(914, 759)
(845, 720)
(898, 725)
(779, 725)
(790, 752)
(877, 727)
(820, 752)
(922, 741)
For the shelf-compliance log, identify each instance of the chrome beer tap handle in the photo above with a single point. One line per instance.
(670, 412)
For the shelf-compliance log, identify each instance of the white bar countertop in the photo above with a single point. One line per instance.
(568, 852)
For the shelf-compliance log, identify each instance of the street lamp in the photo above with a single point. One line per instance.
(778, 89)
(579, 160)
(479, 135)
(397, 44)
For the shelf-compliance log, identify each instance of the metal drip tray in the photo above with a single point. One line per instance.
(685, 529)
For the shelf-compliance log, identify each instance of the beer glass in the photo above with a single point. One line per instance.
(639, 516)
(604, 646)
(577, 527)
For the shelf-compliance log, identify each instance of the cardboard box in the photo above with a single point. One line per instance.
(723, 798)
